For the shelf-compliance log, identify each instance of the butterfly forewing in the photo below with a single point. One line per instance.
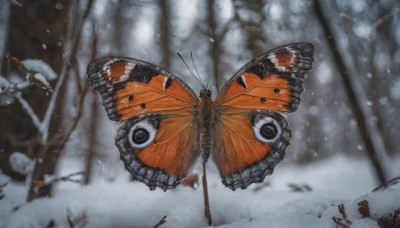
(273, 81)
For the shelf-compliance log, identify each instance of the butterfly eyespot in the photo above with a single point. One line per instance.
(266, 129)
(263, 100)
(269, 131)
(140, 136)
(130, 98)
(277, 90)
(143, 106)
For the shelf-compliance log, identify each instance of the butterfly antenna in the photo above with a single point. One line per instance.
(198, 75)
(198, 80)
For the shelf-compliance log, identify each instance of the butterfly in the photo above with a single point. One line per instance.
(166, 127)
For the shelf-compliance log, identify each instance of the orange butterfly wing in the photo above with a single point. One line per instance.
(158, 141)
(251, 138)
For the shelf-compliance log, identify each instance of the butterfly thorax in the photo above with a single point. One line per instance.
(206, 120)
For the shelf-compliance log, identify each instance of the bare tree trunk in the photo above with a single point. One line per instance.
(354, 102)
(92, 140)
(91, 152)
(165, 33)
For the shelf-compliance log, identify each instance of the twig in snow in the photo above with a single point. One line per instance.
(162, 221)
(76, 221)
(343, 212)
(51, 224)
(300, 188)
(392, 220)
(386, 183)
(363, 208)
(58, 179)
(261, 186)
(1, 190)
(339, 222)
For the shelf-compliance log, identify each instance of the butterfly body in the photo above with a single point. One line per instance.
(166, 127)
(206, 121)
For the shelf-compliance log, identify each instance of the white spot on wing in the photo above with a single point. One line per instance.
(128, 68)
(106, 68)
(165, 82)
(244, 81)
(275, 61)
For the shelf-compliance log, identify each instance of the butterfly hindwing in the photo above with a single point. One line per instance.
(251, 137)
(158, 141)
(164, 160)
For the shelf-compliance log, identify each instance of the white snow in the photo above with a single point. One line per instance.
(358, 6)
(20, 163)
(395, 90)
(144, 30)
(324, 73)
(122, 203)
(275, 11)
(362, 29)
(42, 80)
(41, 67)
(3, 83)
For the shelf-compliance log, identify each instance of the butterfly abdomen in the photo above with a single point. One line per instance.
(206, 120)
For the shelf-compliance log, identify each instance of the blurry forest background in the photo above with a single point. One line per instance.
(350, 107)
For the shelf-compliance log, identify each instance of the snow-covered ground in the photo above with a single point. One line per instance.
(121, 203)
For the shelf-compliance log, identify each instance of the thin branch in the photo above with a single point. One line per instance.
(386, 17)
(162, 221)
(207, 211)
(93, 119)
(77, 117)
(20, 65)
(386, 183)
(67, 178)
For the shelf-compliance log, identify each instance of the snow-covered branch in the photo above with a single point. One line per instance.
(37, 73)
